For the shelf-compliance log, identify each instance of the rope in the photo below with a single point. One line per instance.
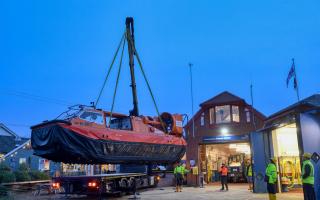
(117, 81)
(149, 88)
(109, 70)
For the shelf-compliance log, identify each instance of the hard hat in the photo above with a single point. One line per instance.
(273, 159)
(307, 155)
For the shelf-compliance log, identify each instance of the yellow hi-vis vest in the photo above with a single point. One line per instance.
(179, 170)
(310, 178)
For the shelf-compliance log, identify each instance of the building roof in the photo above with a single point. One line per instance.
(4, 130)
(223, 98)
(27, 142)
(9, 140)
(7, 143)
(312, 101)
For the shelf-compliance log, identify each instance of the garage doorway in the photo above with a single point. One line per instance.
(237, 156)
(286, 150)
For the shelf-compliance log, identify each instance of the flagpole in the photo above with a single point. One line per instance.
(252, 109)
(191, 90)
(296, 79)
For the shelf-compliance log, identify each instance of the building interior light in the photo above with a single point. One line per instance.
(241, 148)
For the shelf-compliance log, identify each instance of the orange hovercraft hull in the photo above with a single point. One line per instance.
(62, 141)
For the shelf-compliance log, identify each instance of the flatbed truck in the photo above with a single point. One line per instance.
(118, 183)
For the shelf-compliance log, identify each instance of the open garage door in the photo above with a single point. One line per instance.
(260, 157)
(310, 132)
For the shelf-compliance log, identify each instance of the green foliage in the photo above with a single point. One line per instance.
(37, 175)
(4, 167)
(23, 167)
(22, 176)
(7, 177)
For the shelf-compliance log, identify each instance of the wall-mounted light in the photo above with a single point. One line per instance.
(224, 131)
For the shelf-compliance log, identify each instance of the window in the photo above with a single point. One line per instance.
(43, 164)
(22, 160)
(121, 123)
(223, 114)
(248, 117)
(202, 119)
(235, 114)
(92, 117)
(211, 113)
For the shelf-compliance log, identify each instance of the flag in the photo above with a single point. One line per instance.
(292, 74)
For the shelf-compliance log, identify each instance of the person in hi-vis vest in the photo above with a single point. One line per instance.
(179, 172)
(308, 177)
(271, 179)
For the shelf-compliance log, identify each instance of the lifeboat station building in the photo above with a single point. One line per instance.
(286, 136)
(219, 133)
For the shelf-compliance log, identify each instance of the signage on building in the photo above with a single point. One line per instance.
(222, 139)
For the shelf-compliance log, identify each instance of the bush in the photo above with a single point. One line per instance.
(7, 177)
(4, 167)
(37, 175)
(23, 167)
(22, 176)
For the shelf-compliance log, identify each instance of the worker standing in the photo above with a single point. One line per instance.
(249, 175)
(308, 177)
(224, 177)
(271, 179)
(179, 171)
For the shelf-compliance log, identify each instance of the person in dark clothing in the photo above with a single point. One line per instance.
(308, 178)
(224, 177)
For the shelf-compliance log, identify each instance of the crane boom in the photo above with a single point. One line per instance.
(131, 51)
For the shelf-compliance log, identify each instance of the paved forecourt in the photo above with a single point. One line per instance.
(237, 192)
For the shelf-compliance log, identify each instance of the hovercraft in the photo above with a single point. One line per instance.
(83, 137)
(87, 135)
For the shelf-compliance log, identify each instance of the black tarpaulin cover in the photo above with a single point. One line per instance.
(60, 144)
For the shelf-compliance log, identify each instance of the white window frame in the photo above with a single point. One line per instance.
(211, 115)
(230, 113)
(233, 120)
(248, 115)
(202, 120)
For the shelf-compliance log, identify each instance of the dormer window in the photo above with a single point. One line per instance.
(235, 114)
(223, 114)
(202, 119)
(248, 117)
(211, 113)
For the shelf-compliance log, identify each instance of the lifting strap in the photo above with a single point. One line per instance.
(149, 87)
(117, 81)
(109, 70)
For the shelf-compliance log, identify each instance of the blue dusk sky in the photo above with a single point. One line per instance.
(56, 53)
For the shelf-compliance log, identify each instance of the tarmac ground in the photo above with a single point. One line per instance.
(209, 192)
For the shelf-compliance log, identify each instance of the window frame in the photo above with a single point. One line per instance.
(232, 119)
(95, 121)
(212, 116)
(248, 112)
(202, 119)
(230, 114)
